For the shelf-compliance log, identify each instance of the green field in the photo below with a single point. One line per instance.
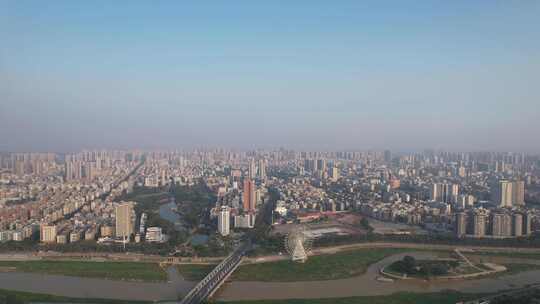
(321, 267)
(516, 268)
(398, 298)
(520, 255)
(108, 270)
(19, 297)
(194, 272)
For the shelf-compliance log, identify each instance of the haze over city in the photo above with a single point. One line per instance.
(255, 152)
(312, 75)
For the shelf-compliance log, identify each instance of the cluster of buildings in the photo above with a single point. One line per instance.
(55, 197)
(120, 228)
(493, 223)
(67, 198)
(240, 194)
(430, 189)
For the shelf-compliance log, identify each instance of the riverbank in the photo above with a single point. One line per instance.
(127, 271)
(340, 265)
(361, 285)
(93, 288)
(18, 297)
(398, 298)
(368, 285)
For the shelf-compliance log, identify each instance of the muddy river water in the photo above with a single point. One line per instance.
(364, 285)
(367, 285)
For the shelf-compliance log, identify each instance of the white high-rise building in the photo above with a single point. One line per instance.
(224, 221)
(252, 170)
(47, 233)
(443, 192)
(262, 168)
(503, 193)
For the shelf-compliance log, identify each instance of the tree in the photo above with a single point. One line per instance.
(409, 263)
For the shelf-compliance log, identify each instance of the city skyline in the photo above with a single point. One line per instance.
(312, 76)
(220, 152)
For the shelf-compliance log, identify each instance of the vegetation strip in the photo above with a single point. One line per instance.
(398, 298)
(135, 271)
(340, 265)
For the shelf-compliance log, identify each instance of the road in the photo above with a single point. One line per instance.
(135, 257)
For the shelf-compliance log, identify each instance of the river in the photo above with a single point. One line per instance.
(363, 285)
(78, 287)
(367, 285)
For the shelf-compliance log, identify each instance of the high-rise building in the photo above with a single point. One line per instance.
(124, 220)
(517, 224)
(47, 233)
(321, 165)
(461, 224)
(224, 221)
(501, 225)
(310, 165)
(518, 193)
(479, 225)
(435, 193)
(454, 194)
(508, 193)
(334, 174)
(252, 169)
(249, 199)
(262, 168)
(527, 224)
(445, 193)
(68, 174)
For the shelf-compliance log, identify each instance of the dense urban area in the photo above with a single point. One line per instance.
(112, 199)
(193, 208)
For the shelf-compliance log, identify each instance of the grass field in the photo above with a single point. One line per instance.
(108, 270)
(19, 297)
(515, 268)
(520, 255)
(322, 267)
(398, 298)
(194, 272)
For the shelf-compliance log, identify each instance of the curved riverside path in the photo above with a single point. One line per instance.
(367, 285)
(78, 287)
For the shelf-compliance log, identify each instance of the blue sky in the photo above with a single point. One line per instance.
(457, 75)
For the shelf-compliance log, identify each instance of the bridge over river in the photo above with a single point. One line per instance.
(211, 283)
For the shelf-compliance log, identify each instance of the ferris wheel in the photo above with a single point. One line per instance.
(298, 243)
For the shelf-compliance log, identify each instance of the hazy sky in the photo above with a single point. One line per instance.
(459, 75)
